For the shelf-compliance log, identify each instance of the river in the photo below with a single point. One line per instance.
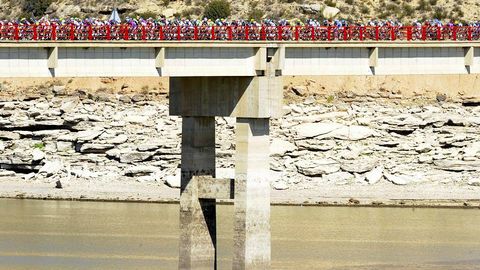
(100, 235)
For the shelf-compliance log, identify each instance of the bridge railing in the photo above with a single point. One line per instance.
(124, 32)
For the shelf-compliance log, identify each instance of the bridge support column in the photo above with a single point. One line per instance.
(252, 195)
(253, 100)
(197, 216)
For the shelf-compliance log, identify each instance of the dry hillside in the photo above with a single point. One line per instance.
(406, 10)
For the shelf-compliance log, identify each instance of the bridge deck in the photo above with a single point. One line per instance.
(235, 58)
(236, 44)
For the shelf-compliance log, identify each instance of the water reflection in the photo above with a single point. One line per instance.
(79, 235)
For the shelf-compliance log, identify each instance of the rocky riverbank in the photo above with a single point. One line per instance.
(124, 146)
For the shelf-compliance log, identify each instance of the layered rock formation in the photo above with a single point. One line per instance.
(314, 144)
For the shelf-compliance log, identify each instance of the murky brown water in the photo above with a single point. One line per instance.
(92, 235)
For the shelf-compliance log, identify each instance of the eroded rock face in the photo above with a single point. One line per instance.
(340, 144)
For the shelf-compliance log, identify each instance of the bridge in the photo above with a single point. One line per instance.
(235, 58)
(238, 79)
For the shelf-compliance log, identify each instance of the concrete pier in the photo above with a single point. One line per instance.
(197, 216)
(252, 195)
(253, 100)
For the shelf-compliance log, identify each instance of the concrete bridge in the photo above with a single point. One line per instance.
(204, 58)
(238, 79)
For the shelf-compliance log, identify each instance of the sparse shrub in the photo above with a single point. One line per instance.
(193, 11)
(166, 2)
(330, 3)
(39, 146)
(217, 9)
(330, 99)
(350, 2)
(440, 13)
(423, 5)
(36, 7)
(255, 14)
(408, 10)
(364, 10)
(393, 8)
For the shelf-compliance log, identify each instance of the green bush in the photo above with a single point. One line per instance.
(255, 14)
(36, 7)
(408, 10)
(440, 13)
(423, 5)
(330, 3)
(364, 10)
(217, 9)
(39, 146)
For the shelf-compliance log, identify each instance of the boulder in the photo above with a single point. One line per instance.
(63, 146)
(88, 135)
(358, 166)
(310, 130)
(5, 173)
(311, 8)
(141, 170)
(474, 182)
(280, 147)
(51, 167)
(352, 133)
(84, 173)
(472, 150)
(29, 176)
(169, 13)
(136, 119)
(96, 148)
(374, 175)
(317, 167)
(173, 181)
(58, 90)
(37, 155)
(299, 90)
(9, 136)
(400, 180)
(316, 145)
(133, 157)
(138, 98)
(122, 138)
(339, 178)
(457, 165)
(281, 185)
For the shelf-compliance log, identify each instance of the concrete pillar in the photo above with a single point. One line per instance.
(373, 59)
(52, 59)
(159, 57)
(197, 216)
(469, 54)
(252, 195)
